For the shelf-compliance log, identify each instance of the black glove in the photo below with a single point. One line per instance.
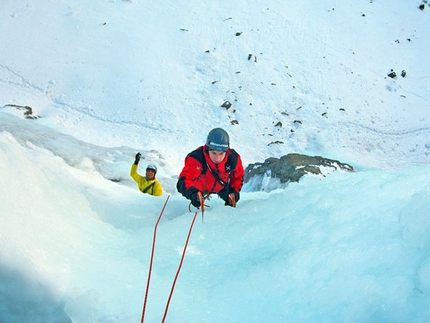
(236, 196)
(137, 158)
(195, 199)
(224, 193)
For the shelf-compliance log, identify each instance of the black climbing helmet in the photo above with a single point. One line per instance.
(218, 139)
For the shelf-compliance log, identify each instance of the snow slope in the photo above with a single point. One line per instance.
(153, 75)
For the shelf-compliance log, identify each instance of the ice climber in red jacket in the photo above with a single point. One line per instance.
(212, 168)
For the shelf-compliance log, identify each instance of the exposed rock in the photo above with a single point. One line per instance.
(226, 105)
(28, 111)
(392, 74)
(276, 142)
(291, 167)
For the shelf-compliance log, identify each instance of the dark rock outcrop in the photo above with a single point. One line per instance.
(291, 167)
(28, 111)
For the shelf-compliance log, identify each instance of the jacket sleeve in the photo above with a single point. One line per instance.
(190, 173)
(134, 174)
(236, 180)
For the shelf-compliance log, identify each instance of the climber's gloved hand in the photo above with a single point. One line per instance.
(137, 158)
(233, 197)
(196, 199)
(224, 194)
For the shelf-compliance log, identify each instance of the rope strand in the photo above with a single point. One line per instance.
(152, 257)
(180, 266)
(202, 206)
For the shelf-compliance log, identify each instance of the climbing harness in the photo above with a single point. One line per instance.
(146, 189)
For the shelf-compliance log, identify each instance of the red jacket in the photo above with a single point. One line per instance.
(200, 173)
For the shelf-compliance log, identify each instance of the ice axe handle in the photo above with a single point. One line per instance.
(232, 199)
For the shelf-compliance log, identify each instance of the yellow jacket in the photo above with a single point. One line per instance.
(143, 183)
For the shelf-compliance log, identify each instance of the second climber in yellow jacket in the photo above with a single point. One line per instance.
(148, 183)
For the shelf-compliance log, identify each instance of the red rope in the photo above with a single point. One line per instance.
(180, 265)
(152, 257)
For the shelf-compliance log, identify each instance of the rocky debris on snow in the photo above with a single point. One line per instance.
(291, 167)
(28, 111)
(250, 56)
(226, 105)
(393, 74)
(277, 142)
